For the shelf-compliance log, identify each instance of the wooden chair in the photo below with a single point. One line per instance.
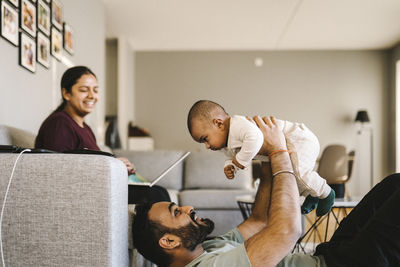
(336, 165)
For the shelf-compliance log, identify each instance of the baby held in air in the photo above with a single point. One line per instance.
(241, 141)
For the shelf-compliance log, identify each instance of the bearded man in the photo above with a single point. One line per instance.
(169, 235)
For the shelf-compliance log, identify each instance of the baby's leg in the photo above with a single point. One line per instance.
(311, 183)
(317, 192)
(304, 147)
(326, 194)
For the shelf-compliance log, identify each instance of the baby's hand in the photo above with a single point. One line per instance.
(229, 171)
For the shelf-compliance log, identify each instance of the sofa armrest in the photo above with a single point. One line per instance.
(65, 210)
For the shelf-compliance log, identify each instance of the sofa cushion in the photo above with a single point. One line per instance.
(150, 164)
(205, 170)
(211, 198)
(13, 136)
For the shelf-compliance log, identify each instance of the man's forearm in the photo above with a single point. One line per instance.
(284, 208)
(272, 243)
(259, 215)
(263, 196)
(268, 247)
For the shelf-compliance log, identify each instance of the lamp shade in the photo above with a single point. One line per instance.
(362, 116)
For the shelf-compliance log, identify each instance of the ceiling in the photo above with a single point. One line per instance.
(254, 24)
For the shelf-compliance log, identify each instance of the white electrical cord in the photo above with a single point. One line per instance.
(4, 204)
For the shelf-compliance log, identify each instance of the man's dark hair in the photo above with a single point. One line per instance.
(202, 110)
(146, 234)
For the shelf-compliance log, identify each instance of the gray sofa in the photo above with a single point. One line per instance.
(62, 209)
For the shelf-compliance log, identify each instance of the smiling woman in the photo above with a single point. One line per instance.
(65, 128)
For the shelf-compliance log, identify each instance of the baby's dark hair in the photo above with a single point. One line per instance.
(202, 110)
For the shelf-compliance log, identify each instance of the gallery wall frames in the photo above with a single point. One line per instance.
(27, 52)
(56, 14)
(68, 38)
(9, 23)
(43, 15)
(43, 50)
(37, 28)
(56, 43)
(28, 17)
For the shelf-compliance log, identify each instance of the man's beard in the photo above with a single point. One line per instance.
(192, 235)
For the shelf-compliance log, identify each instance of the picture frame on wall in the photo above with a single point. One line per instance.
(14, 2)
(43, 15)
(56, 14)
(27, 52)
(68, 38)
(43, 50)
(56, 43)
(28, 17)
(9, 23)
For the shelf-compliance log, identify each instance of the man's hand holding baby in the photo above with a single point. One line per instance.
(276, 139)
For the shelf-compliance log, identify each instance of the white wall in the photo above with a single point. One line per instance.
(26, 98)
(323, 89)
(126, 88)
(111, 90)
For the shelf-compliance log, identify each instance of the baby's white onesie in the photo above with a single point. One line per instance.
(245, 140)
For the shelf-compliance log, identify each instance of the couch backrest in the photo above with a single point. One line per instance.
(205, 170)
(150, 164)
(13, 136)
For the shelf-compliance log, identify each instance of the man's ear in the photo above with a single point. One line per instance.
(169, 241)
(65, 94)
(218, 123)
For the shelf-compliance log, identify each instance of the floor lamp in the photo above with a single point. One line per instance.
(362, 117)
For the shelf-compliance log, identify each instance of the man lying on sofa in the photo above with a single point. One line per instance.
(170, 235)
